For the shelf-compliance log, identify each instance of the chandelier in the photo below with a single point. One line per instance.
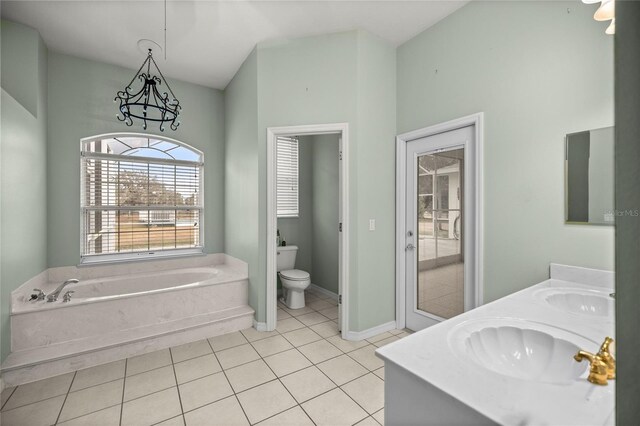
(149, 103)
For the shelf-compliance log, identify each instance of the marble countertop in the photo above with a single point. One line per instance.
(431, 356)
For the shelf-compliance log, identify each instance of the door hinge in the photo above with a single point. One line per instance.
(340, 227)
(340, 155)
(340, 300)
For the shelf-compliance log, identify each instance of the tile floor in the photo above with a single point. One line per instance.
(301, 374)
(441, 290)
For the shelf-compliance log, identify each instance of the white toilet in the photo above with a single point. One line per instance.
(294, 281)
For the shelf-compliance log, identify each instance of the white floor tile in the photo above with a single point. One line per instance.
(320, 351)
(204, 391)
(249, 375)
(99, 374)
(282, 314)
(152, 408)
(107, 417)
(369, 421)
(227, 341)
(306, 384)
(379, 372)
(367, 357)
(292, 417)
(379, 416)
(368, 391)
(346, 345)
(252, 334)
(265, 401)
(334, 408)
(319, 305)
(312, 318)
(379, 337)
(190, 350)
(297, 312)
(302, 336)
(235, 356)
(141, 363)
(40, 390)
(381, 343)
(287, 362)
(288, 324)
(331, 313)
(175, 421)
(197, 367)
(43, 413)
(225, 412)
(149, 382)
(342, 369)
(271, 345)
(92, 399)
(326, 329)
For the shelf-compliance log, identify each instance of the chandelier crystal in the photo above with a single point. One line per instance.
(149, 103)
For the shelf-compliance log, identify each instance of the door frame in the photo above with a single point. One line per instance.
(476, 120)
(341, 129)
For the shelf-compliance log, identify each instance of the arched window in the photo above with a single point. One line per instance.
(141, 198)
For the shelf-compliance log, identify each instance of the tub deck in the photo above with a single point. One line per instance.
(54, 338)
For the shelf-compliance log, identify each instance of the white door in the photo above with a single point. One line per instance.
(440, 234)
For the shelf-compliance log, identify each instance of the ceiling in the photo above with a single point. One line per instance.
(207, 41)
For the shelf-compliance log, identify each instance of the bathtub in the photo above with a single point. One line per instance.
(118, 287)
(143, 305)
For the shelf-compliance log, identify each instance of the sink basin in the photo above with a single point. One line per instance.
(522, 349)
(581, 302)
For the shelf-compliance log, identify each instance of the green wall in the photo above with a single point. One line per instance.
(538, 70)
(23, 153)
(345, 77)
(81, 104)
(325, 201)
(627, 158)
(241, 175)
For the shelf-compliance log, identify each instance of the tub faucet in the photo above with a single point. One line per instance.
(54, 296)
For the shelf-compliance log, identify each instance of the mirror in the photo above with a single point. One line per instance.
(589, 158)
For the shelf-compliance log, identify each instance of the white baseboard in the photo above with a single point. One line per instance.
(324, 291)
(259, 326)
(370, 332)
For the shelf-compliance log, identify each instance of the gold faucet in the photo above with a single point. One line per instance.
(602, 364)
(607, 358)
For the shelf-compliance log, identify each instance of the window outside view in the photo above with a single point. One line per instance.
(140, 195)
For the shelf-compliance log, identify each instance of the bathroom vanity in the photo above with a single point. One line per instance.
(508, 362)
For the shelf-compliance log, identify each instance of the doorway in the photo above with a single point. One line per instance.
(439, 227)
(341, 225)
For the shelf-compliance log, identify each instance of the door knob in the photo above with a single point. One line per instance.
(410, 247)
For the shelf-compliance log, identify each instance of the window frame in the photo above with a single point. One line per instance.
(135, 256)
(291, 215)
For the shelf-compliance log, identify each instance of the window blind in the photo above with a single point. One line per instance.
(287, 176)
(133, 205)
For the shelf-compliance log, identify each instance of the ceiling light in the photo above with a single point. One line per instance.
(149, 103)
(606, 11)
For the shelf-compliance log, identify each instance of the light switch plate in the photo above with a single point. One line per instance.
(372, 224)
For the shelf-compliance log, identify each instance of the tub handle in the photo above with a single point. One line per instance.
(38, 296)
(67, 296)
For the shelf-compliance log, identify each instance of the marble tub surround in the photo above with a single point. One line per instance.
(49, 279)
(448, 374)
(136, 309)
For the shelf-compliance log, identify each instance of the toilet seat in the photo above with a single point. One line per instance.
(295, 275)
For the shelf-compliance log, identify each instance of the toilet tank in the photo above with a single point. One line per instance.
(286, 257)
